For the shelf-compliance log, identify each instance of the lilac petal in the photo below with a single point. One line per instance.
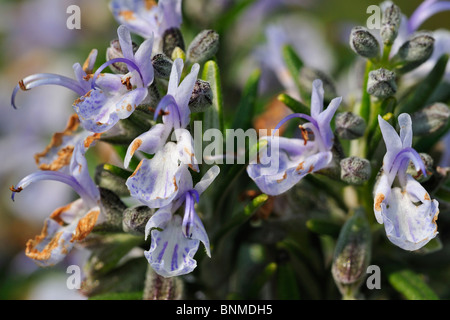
(408, 225)
(172, 16)
(392, 141)
(109, 82)
(134, 16)
(317, 98)
(183, 94)
(175, 76)
(88, 65)
(406, 133)
(149, 142)
(143, 58)
(192, 225)
(125, 42)
(171, 254)
(129, 101)
(324, 120)
(155, 181)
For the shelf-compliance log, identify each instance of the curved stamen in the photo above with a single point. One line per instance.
(55, 176)
(128, 62)
(169, 102)
(41, 79)
(424, 11)
(294, 115)
(192, 197)
(408, 154)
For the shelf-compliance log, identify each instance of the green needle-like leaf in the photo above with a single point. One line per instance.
(411, 285)
(213, 117)
(247, 105)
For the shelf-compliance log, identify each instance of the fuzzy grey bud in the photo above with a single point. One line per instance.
(201, 98)
(349, 126)
(364, 43)
(414, 52)
(430, 119)
(135, 219)
(113, 178)
(203, 47)
(114, 51)
(390, 22)
(112, 211)
(355, 170)
(352, 254)
(159, 288)
(306, 77)
(381, 83)
(162, 65)
(171, 39)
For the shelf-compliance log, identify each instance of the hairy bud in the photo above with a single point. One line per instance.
(430, 119)
(414, 52)
(135, 219)
(364, 43)
(381, 83)
(162, 65)
(390, 23)
(349, 126)
(201, 98)
(355, 170)
(172, 38)
(203, 47)
(418, 175)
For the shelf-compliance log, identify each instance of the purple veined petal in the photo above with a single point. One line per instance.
(149, 142)
(381, 193)
(42, 79)
(171, 253)
(159, 220)
(185, 147)
(408, 225)
(55, 176)
(88, 65)
(129, 101)
(125, 42)
(426, 10)
(155, 181)
(183, 94)
(172, 16)
(207, 179)
(143, 60)
(109, 82)
(317, 98)
(406, 133)
(185, 184)
(188, 218)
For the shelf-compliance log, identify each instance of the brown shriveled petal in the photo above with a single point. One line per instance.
(87, 62)
(149, 4)
(378, 200)
(45, 253)
(127, 15)
(90, 139)
(85, 225)
(56, 141)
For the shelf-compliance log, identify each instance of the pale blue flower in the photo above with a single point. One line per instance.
(406, 209)
(289, 160)
(175, 240)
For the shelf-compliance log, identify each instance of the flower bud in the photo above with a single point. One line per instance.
(414, 52)
(112, 209)
(135, 219)
(162, 65)
(352, 254)
(201, 98)
(430, 119)
(381, 83)
(114, 51)
(349, 126)
(355, 170)
(171, 39)
(364, 43)
(203, 47)
(390, 23)
(306, 77)
(160, 288)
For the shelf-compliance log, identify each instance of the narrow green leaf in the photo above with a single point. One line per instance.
(226, 19)
(213, 117)
(247, 105)
(295, 105)
(426, 88)
(287, 286)
(411, 285)
(293, 62)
